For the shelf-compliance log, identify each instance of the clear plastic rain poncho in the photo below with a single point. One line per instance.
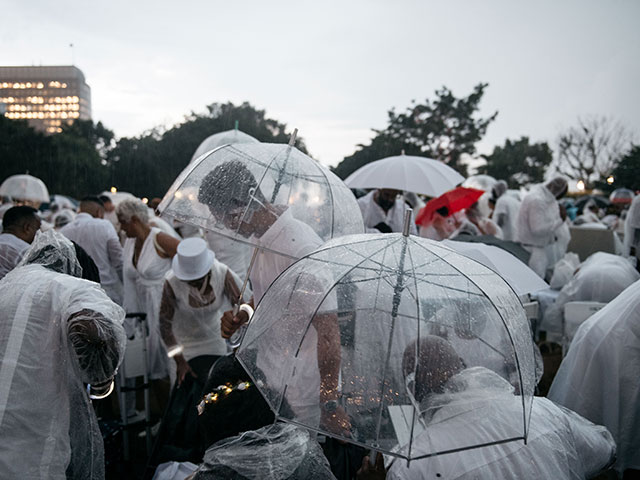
(600, 278)
(222, 138)
(56, 332)
(599, 376)
(230, 190)
(380, 293)
(25, 188)
(276, 452)
(476, 401)
(632, 228)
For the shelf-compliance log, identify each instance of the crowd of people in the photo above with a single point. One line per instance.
(74, 280)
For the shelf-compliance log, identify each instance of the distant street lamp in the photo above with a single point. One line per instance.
(610, 179)
(580, 186)
(114, 190)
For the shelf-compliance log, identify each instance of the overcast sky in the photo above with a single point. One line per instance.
(333, 69)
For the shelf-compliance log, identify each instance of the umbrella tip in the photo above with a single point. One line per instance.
(292, 140)
(408, 215)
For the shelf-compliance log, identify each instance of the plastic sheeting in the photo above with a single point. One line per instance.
(505, 214)
(276, 452)
(599, 376)
(384, 291)
(561, 444)
(53, 251)
(56, 331)
(600, 278)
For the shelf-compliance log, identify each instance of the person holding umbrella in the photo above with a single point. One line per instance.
(459, 401)
(383, 211)
(234, 198)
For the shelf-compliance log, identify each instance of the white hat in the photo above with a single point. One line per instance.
(193, 260)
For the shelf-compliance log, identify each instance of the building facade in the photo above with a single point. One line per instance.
(47, 97)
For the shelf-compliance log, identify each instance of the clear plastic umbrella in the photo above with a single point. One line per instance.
(386, 291)
(406, 172)
(25, 188)
(233, 185)
(222, 138)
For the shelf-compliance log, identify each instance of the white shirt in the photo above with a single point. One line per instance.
(373, 214)
(100, 240)
(11, 250)
(296, 239)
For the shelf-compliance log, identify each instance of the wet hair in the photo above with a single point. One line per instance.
(105, 199)
(558, 186)
(443, 211)
(93, 199)
(128, 208)
(228, 186)
(237, 412)
(498, 189)
(18, 216)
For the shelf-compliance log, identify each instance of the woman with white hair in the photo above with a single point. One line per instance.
(147, 258)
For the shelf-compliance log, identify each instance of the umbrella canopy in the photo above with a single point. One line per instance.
(517, 274)
(385, 291)
(224, 190)
(622, 196)
(222, 138)
(601, 201)
(455, 200)
(406, 172)
(26, 188)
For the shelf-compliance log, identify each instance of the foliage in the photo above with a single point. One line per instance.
(444, 129)
(519, 163)
(147, 165)
(591, 150)
(68, 163)
(627, 172)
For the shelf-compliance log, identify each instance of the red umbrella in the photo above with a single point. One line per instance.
(455, 200)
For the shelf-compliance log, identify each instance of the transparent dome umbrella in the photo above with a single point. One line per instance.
(236, 190)
(222, 138)
(481, 182)
(406, 172)
(385, 291)
(25, 188)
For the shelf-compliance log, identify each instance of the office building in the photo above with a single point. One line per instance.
(47, 97)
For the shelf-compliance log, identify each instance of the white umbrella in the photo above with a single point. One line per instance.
(26, 188)
(517, 274)
(406, 172)
(228, 137)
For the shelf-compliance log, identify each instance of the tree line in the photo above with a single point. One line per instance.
(86, 158)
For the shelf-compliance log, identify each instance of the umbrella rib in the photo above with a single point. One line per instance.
(515, 352)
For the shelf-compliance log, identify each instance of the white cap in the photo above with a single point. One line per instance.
(193, 260)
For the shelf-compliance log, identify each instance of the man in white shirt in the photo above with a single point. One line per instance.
(273, 228)
(383, 211)
(19, 227)
(100, 240)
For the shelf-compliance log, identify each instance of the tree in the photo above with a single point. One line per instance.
(444, 129)
(627, 172)
(591, 150)
(147, 165)
(67, 162)
(519, 163)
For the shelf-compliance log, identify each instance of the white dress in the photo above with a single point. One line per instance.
(142, 293)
